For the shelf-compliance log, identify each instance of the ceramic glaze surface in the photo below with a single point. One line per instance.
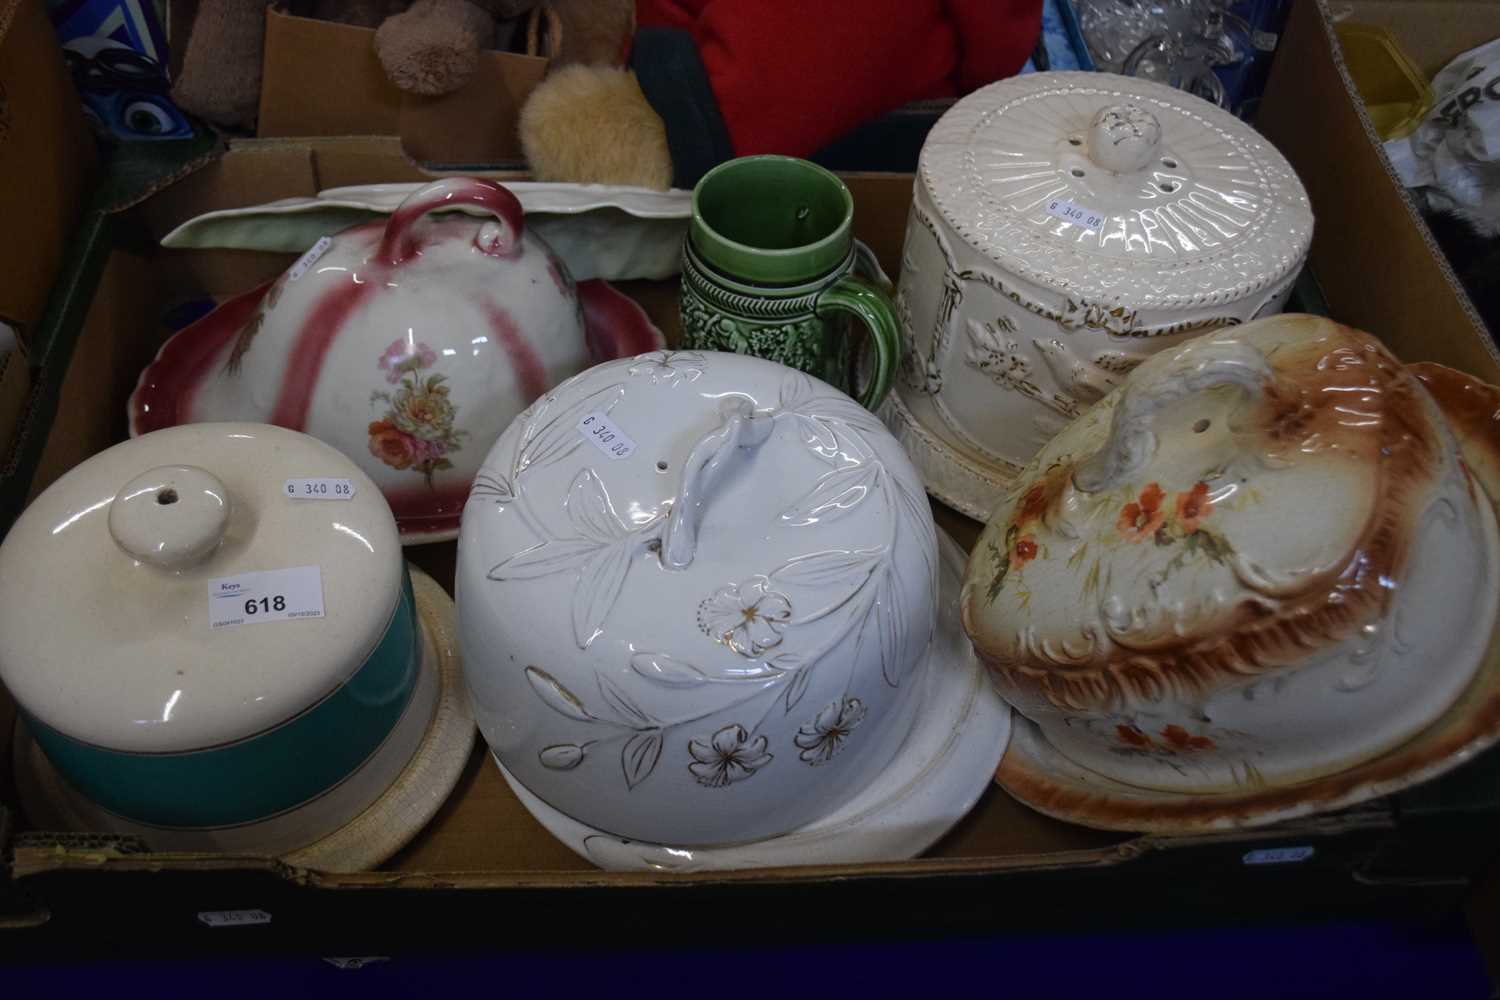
(695, 592)
(407, 345)
(353, 825)
(1065, 226)
(115, 651)
(266, 774)
(801, 326)
(961, 730)
(1034, 771)
(770, 268)
(1259, 561)
(599, 230)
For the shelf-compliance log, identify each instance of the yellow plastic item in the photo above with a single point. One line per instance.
(1395, 91)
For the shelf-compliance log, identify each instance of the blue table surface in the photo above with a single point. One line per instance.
(724, 957)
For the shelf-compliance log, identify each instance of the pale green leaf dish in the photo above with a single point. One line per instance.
(614, 233)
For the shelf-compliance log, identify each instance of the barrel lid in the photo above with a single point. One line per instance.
(1117, 190)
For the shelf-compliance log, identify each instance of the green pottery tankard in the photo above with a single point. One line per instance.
(771, 268)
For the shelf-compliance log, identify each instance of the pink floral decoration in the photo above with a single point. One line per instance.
(402, 357)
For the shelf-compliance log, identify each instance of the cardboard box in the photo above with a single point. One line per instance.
(47, 163)
(484, 859)
(322, 78)
(483, 851)
(1374, 257)
(15, 387)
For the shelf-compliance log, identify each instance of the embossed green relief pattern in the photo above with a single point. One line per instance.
(797, 342)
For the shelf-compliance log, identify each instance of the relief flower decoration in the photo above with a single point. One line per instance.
(821, 739)
(747, 617)
(1093, 316)
(998, 356)
(1140, 519)
(416, 431)
(1024, 550)
(669, 367)
(728, 756)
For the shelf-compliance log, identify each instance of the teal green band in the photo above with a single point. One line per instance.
(259, 777)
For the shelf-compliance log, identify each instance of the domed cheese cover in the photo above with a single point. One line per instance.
(1064, 227)
(124, 622)
(409, 345)
(1259, 560)
(695, 592)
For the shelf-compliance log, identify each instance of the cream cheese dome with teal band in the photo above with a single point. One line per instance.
(211, 634)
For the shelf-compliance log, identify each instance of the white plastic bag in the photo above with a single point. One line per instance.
(1452, 161)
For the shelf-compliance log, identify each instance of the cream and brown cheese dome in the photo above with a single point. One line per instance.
(1258, 561)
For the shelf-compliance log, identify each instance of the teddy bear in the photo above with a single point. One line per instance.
(426, 47)
(432, 47)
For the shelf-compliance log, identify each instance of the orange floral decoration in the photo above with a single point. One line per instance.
(1132, 736)
(392, 447)
(1140, 519)
(1193, 506)
(1025, 549)
(1180, 739)
(1032, 505)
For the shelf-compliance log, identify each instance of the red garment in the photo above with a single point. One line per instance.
(790, 76)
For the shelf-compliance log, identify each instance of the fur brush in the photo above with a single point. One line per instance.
(592, 125)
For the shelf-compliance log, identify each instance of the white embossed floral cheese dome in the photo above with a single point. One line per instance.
(697, 592)
(216, 645)
(1066, 226)
(409, 345)
(1258, 562)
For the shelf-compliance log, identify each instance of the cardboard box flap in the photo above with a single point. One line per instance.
(343, 161)
(1375, 260)
(15, 390)
(47, 160)
(40, 853)
(323, 78)
(1431, 32)
(475, 124)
